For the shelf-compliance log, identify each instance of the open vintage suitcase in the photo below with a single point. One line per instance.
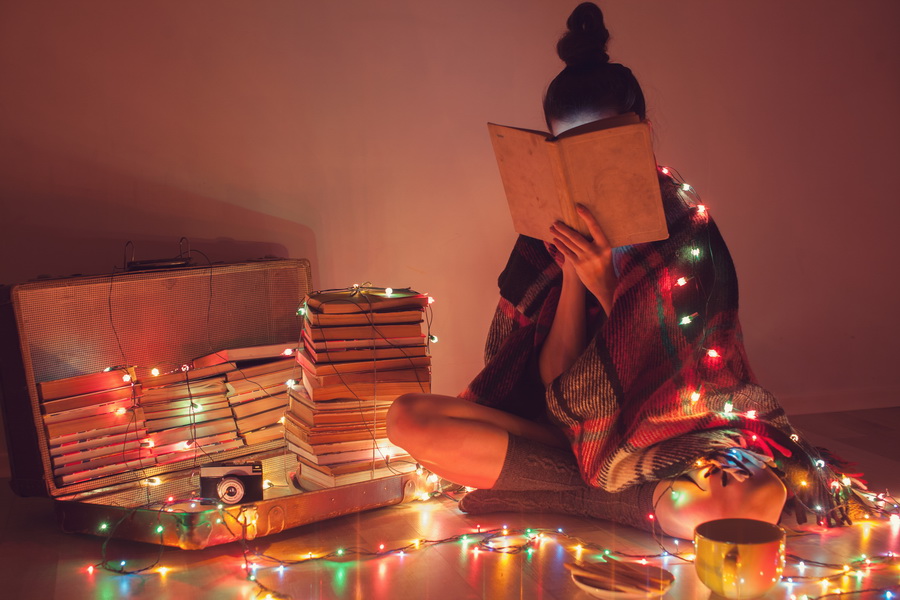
(53, 329)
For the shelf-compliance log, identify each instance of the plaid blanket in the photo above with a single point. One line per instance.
(664, 381)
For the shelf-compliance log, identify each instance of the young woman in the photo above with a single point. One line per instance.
(616, 384)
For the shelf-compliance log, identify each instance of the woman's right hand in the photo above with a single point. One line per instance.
(590, 258)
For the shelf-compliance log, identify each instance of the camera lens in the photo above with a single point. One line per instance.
(230, 490)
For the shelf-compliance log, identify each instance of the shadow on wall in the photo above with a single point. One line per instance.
(66, 215)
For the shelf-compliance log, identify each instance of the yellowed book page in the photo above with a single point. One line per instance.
(613, 173)
(526, 170)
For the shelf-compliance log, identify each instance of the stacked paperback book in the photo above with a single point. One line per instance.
(124, 419)
(362, 348)
(93, 425)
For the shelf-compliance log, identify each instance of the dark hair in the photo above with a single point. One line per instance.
(589, 82)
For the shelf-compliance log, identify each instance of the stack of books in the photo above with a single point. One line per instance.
(127, 418)
(94, 426)
(228, 399)
(362, 348)
(188, 411)
(258, 398)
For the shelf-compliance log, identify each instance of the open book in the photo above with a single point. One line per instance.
(607, 165)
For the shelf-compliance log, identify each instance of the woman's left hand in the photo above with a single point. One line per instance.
(590, 257)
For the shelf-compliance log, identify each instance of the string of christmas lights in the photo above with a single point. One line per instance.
(515, 541)
(507, 540)
(841, 488)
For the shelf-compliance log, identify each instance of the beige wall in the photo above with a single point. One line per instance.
(352, 133)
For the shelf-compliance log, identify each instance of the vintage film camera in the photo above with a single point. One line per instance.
(232, 483)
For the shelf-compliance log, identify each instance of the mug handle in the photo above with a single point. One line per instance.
(730, 568)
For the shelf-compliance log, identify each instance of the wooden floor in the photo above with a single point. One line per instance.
(39, 561)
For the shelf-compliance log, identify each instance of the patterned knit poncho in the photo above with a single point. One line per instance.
(664, 381)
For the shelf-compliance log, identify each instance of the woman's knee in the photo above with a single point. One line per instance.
(407, 418)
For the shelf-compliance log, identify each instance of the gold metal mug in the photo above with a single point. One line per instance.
(739, 558)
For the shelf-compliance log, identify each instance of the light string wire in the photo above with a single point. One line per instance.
(482, 540)
(484, 543)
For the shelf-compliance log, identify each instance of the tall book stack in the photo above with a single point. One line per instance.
(362, 348)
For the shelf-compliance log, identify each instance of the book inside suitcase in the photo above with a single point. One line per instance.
(107, 411)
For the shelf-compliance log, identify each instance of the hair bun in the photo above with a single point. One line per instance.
(585, 41)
